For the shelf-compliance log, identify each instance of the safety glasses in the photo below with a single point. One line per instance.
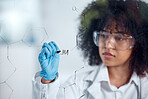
(118, 41)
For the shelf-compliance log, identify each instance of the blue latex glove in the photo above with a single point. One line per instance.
(49, 60)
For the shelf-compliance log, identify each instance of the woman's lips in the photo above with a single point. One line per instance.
(108, 55)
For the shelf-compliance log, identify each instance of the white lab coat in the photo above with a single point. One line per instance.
(80, 86)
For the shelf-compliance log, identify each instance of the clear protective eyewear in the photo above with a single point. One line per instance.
(117, 40)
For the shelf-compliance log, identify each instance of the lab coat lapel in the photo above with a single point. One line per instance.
(94, 90)
(94, 78)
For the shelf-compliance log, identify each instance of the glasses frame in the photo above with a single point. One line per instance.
(96, 41)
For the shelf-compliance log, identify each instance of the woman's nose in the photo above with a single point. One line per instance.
(110, 43)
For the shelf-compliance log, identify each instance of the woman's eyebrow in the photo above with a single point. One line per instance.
(110, 31)
(103, 30)
(121, 32)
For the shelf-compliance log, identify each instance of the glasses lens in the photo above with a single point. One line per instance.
(118, 41)
(95, 38)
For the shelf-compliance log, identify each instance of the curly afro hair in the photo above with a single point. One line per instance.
(131, 14)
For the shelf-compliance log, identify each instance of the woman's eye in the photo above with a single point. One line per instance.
(105, 36)
(118, 38)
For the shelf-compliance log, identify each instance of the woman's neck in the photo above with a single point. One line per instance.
(119, 75)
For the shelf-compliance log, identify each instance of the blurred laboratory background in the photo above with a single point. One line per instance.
(24, 26)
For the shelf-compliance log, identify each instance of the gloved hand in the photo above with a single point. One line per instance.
(49, 60)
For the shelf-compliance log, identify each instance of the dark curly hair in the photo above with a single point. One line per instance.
(131, 14)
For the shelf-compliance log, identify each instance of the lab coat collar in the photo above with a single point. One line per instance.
(94, 91)
(135, 78)
(100, 73)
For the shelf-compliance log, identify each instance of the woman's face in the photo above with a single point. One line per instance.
(109, 55)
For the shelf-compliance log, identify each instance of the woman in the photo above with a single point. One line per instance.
(113, 37)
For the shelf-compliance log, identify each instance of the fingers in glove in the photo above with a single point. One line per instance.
(48, 47)
(44, 53)
(53, 48)
(57, 48)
